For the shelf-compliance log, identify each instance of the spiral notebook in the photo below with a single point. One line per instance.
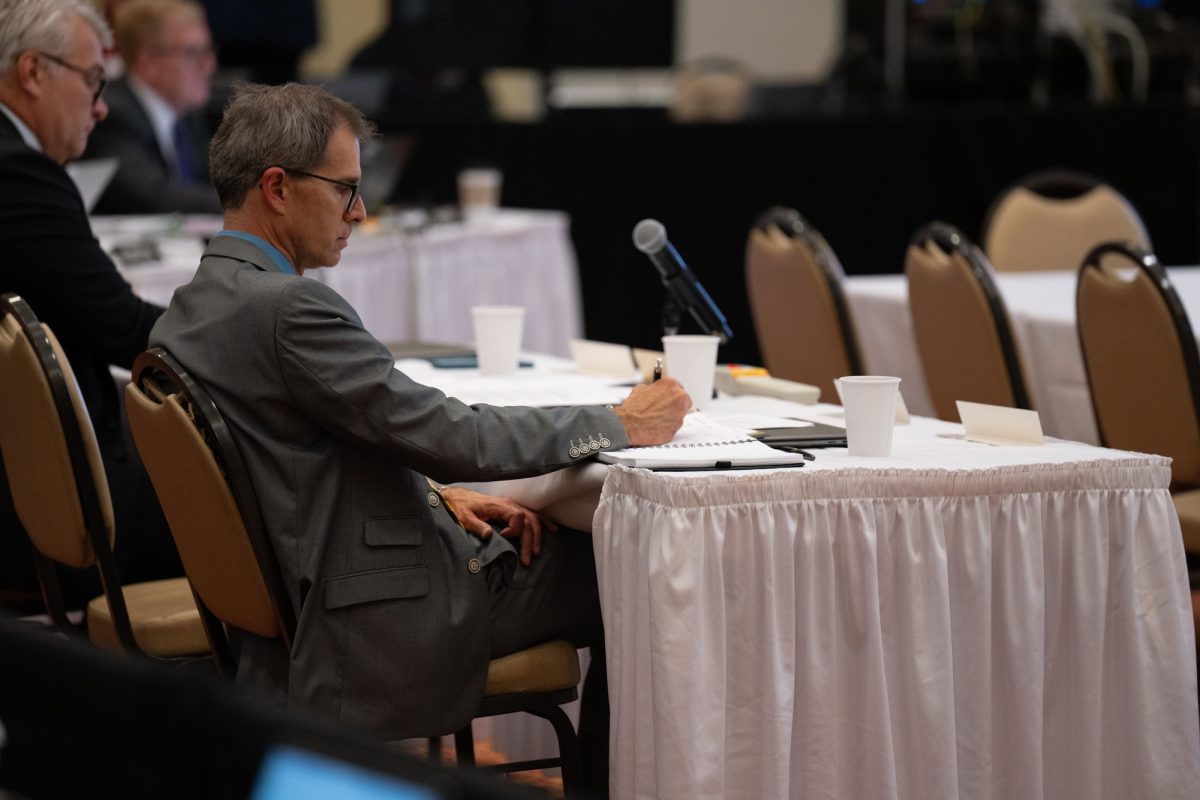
(703, 442)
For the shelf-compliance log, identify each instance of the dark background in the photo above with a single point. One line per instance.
(989, 94)
(866, 179)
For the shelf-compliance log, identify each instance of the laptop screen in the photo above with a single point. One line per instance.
(290, 773)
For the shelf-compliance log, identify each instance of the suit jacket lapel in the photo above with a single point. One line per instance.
(120, 93)
(8, 130)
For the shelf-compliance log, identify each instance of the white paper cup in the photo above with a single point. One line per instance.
(479, 192)
(498, 338)
(870, 405)
(692, 360)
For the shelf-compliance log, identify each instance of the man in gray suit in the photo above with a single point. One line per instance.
(401, 591)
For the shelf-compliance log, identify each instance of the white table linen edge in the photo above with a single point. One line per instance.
(859, 677)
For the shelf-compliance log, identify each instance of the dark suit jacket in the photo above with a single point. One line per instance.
(391, 595)
(144, 183)
(51, 259)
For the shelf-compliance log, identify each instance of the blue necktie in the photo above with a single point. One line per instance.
(183, 152)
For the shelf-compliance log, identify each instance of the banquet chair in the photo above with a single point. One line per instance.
(60, 493)
(211, 506)
(1140, 355)
(711, 90)
(1050, 220)
(963, 335)
(794, 282)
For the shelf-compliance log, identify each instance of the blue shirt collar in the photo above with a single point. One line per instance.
(271, 250)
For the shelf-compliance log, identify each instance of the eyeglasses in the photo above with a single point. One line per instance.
(355, 189)
(94, 77)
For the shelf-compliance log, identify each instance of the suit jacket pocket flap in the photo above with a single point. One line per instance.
(392, 531)
(381, 584)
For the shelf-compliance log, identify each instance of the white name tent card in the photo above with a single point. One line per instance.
(1000, 424)
(91, 177)
(602, 358)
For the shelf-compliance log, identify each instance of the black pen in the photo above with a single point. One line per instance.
(657, 369)
(795, 451)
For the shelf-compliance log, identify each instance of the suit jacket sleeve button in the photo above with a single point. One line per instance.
(434, 500)
(473, 565)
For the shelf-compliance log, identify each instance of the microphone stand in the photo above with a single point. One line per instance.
(671, 312)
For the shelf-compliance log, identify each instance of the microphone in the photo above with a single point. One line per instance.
(650, 237)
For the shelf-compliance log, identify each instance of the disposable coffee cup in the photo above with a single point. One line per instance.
(692, 360)
(479, 192)
(870, 405)
(498, 332)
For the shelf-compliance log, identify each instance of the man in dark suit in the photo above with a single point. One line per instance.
(51, 85)
(401, 591)
(154, 128)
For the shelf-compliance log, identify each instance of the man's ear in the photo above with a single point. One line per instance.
(30, 74)
(273, 187)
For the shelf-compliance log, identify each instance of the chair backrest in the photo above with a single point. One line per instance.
(1052, 219)
(963, 336)
(794, 282)
(209, 502)
(55, 473)
(711, 90)
(1140, 354)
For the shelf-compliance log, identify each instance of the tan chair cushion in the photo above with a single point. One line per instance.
(1187, 506)
(205, 521)
(163, 616)
(36, 455)
(795, 317)
(1136, 370)
(1029, 231)
(546, 667)
(960, 349)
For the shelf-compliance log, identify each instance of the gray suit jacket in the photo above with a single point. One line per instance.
(391, 601)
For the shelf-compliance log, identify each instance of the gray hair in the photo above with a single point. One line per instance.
(287, 126)
(43, 25)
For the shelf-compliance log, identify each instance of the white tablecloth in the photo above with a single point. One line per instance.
(957, 621)
(422, 285)
(1041, 306)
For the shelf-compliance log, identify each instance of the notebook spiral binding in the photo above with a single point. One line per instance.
(700, 444)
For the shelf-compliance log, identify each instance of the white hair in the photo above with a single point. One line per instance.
(43, 25)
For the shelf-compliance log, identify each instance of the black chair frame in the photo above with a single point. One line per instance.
(13, 305)
(547, 706)
(950, 240)
(1148, 263)
(790, 222)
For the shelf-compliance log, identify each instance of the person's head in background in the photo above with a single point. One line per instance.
(165, 44)
(285, 163)
(52, 71)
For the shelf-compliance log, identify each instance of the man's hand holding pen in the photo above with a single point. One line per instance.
(654, 411)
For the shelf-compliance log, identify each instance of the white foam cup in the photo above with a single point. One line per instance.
(692, 360)
(498, 338)
(870, 405)
(479, 192)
